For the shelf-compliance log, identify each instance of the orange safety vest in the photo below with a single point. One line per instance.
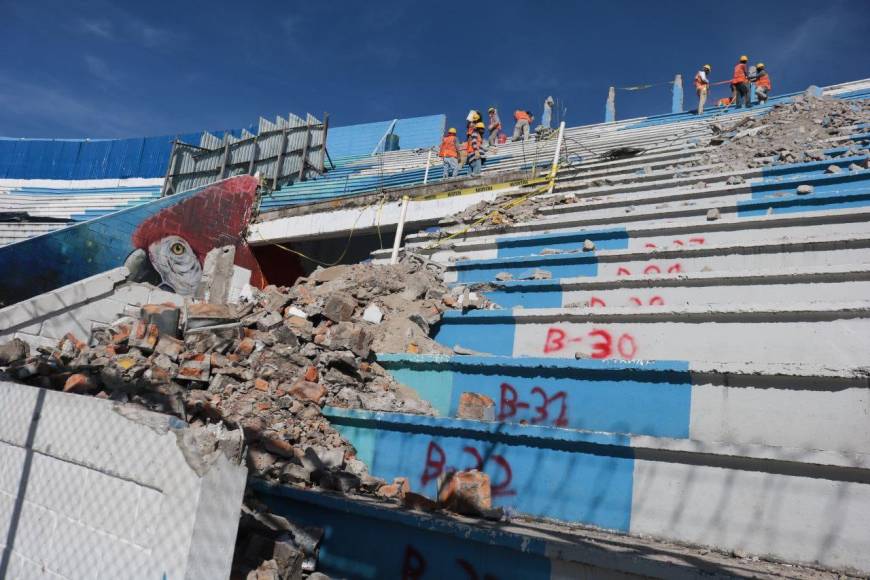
(739, 74)
(448, 147)
(723, 102)
(473, 143)
(699, 84)
(495, 127)
(521, 116)
(763, 81)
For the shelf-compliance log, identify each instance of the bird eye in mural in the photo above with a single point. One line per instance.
(177, 264)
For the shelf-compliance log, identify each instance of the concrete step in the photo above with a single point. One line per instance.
(412, 544)
(814, 333)
(692, 255)
(811, 408)
(774, 286)
(714, 494)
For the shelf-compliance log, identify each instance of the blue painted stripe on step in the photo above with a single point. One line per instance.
(558, 473)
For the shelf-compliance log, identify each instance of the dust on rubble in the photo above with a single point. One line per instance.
(790, 132)
(267, 366)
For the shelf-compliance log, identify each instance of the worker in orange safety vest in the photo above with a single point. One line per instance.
(762, 83)
(494, 126)
(475, 149)
(740, 84)
(702, 84)
(523, 122)
(449, 154)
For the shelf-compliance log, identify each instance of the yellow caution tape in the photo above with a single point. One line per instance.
(481, 189)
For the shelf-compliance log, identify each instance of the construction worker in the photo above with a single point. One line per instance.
(471, 120)
(449, 154)
(762, 83)
(474, 148)
(494, 126)
(702, 84)
(723, 102)
(740, 84)
(523, 121)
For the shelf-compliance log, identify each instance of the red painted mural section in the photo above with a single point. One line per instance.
(217, 216)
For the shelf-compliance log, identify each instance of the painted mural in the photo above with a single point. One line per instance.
(175, 232)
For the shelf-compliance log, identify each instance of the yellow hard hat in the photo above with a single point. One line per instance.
(452, 130)
(708, 67)
(744, 58)
(476, 116)
(760, 65)
(491, 109)
(479, 125)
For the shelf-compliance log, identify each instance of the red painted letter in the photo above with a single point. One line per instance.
(555, 340)
(435, 459)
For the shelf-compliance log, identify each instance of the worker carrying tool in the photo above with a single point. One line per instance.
(523, 122)
(762, 83)
(474, 148)
(470, 121)
(740, 84)
(702, 85)
(494, 126)
(449, 154)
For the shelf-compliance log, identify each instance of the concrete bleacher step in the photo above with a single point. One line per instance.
(773, 286)
(667, 487)
(676, 259)
(791, 406)
(814, 332)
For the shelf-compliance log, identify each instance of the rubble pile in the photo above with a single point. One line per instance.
(791, 132)
(266, 366)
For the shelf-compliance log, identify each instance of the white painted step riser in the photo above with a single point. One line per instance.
(842, 342)
(783, 294)
(694, 238)
(719, 263)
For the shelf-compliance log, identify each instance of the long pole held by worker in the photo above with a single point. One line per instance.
(428, 163)
(555, 166)
(394, 258)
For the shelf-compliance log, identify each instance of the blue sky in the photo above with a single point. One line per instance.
(115, 69)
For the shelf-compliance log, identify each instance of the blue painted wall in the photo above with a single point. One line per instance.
(558, 473)
(642, 398)
(370, 543)
(356, 140)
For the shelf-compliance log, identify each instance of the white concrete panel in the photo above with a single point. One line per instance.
(796, 518)
(841, 342)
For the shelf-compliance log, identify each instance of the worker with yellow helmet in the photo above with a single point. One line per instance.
(475, 149)
(702, 84)
(449, 154)
(494, 126)
(740, 83)
(762, 83)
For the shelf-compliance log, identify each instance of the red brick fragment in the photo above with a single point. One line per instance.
(466, 492)
(79, 383)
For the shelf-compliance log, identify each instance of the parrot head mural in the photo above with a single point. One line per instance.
(177, 239)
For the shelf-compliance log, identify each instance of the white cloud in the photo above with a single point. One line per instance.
(98, 27)
(98, 67)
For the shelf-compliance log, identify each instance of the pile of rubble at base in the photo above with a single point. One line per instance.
(790, 132)
(266, 366)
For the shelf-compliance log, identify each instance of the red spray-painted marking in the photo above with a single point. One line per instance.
(557, 339)
(699, 241)
(656, 301)
(636, 301)
(652, 269)
(414, 566)
(596, 301)
(623, 271)
(678, 243)
(436, 464)
(509, 404)
(675, 268)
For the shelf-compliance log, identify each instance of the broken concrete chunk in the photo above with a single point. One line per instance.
(164, 316)
(353, 337)
(735, 180)
(504, 276)
(291, 311)
(144, 336)
(339, 307)
(476, 406)
(322, 275)
(712, 214)
(13, 351)
(805, 189)
(833, 169)
(588, 245)
(466, 492)
(373, 314)
(308, 391)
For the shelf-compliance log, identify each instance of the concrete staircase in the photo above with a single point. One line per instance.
(698, 377)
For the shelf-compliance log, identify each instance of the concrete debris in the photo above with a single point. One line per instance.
(712, 214)
(790, 133)
(266, 368)
(476, 406)
(588, 245)
(466, 492)
(504, 276)
(804, 189)
(735, 180)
